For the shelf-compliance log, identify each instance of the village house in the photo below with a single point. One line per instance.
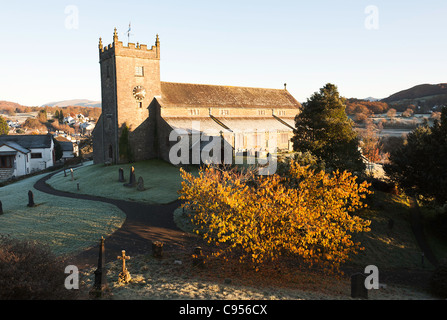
(69, 148)
(24, 154)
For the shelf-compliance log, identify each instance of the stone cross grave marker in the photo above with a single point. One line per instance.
(124, 275)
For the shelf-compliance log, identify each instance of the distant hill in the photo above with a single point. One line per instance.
(74, 102)
(8, 104)
(426, 97)
(419, 92)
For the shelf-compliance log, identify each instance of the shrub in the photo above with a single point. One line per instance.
(305, 213)
(29, 271)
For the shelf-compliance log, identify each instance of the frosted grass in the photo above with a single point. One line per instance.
(66, 225)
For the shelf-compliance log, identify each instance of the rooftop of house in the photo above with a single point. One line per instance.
(66, 145)
(14, 146)
(28, 141)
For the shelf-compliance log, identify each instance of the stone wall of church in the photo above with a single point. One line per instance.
(98, 143)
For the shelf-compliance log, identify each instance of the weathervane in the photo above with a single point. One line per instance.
(128, 34)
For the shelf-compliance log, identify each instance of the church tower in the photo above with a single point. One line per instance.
(130, 79)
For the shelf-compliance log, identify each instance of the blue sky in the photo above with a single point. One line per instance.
(305, 44)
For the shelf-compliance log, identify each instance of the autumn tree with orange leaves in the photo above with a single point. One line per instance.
(305, 213)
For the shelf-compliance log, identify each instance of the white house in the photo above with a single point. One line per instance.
(14, 160)
(69, 120)
(87, 127)
(23, 154)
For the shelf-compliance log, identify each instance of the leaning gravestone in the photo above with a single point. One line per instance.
(121, 175)
(31, 199)
(358, 288)
(132, 181)
(140, 185)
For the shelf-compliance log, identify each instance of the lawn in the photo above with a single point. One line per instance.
(386, 246)
(66, 225)
(161, 181)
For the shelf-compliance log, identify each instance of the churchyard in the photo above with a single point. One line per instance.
(160, 181)
(71, 225)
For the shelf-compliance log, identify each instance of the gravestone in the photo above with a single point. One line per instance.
(65, 173)
(31, 199)
(132, 180)
(157, 249)
(121, 175)
(1, 208)
(100, 287)
(198, 259)
(124, 276)
(358, 288)
(140, 185)
(71, 173)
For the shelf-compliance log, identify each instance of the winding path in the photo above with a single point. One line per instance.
(144, 224)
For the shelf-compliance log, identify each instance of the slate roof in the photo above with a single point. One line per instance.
(201, 95)
(28, 141)
(66, 145)
(14, 146)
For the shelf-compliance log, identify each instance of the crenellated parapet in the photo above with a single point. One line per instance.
(137, 50)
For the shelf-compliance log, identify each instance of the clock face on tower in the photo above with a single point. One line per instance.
(139, 93)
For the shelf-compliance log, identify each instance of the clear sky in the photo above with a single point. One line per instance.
(49, 49)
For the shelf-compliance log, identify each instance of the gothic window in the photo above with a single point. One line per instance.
(261, 112)
(194, 112)
(224, 112)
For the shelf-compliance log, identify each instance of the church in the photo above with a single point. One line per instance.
(133, 97)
